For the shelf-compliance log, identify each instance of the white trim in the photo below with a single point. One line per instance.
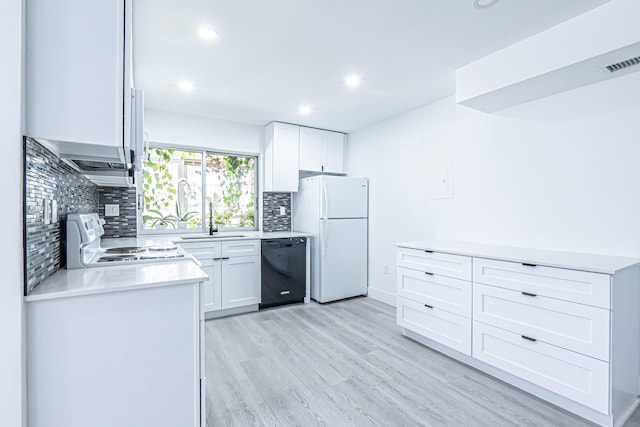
(388, 298)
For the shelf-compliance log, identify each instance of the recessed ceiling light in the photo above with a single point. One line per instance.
(482, 4)
(352, 81)
(208, 34)
(304, 109)
(185, 85)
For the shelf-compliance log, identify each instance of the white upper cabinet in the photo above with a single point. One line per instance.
(322, 151)
(311, 149)
(281, 157)
(78, 72)
(334, 146)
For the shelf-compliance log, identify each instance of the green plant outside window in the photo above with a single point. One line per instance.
(173, 182)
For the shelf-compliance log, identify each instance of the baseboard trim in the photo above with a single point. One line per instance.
(382, 296)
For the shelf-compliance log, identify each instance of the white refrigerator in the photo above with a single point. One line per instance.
(334, 210)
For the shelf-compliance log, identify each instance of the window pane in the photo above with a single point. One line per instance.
(172, 188)
(231, 190)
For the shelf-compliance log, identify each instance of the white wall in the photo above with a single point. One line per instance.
(11, 323)
(559, 173)
(180, 129)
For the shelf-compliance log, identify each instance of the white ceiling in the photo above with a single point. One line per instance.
(272, 56)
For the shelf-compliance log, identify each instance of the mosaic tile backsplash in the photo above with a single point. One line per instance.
(47, 177)
(123, 225)
(271, 218)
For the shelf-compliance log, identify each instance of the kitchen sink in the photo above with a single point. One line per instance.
(214, 236)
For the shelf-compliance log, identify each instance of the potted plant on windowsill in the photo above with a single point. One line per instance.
(183, 217)
(158, 220)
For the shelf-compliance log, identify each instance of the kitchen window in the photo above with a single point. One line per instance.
(180, 188)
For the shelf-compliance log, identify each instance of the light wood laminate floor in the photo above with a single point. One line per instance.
(347, 364)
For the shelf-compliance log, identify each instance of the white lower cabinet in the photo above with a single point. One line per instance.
(233, 268)
(241, 285)
(570, 374)
(436, 324)
(563, 326)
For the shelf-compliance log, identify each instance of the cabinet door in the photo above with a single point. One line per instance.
(570, 374)
(241, 285)
(75, 52)
(333, 152)
(281, 157)
(213, 288)
(431, 322)
(311, 149)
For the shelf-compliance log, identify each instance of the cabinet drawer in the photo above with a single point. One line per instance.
(203, 250)
(446, 328)
(452, 295)
(571, 285)
(576, 327)
(572, 375)
(235, 248)
(456, 266)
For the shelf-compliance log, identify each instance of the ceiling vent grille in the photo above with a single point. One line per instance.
(623, 64)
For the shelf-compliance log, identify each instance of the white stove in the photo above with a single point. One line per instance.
(84, 246)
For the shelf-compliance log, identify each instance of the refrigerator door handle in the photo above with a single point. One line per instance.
(325, 200)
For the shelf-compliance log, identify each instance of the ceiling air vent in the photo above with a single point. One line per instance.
(623, 64)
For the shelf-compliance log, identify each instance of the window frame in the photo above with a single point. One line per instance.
(205, 226)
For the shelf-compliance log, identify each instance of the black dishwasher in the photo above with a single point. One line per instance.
(284, 271)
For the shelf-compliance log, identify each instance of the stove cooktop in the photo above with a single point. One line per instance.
(137, 254)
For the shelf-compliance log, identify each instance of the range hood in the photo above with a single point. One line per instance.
(111, 166)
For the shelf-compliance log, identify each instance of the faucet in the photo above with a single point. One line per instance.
(211, 228)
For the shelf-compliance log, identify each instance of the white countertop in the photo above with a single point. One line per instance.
(95, 280)
(163, 239)
(574, 261)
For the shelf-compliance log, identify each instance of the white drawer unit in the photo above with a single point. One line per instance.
(203, 250)
(436, 324)
(562, 326)
(235, 248)
(452, 295)
(571, 285)
(576, 327)
(575, 376)
(444, 264)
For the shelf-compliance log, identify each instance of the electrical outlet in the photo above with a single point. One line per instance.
(54, 211)
(283, 211)
(46, 211)
(386, 269)
(111, 210)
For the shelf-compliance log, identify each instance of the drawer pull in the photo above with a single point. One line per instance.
(528, 338)
(428, 274)
(529, 294)
(526, 264)
(428, 306)
(429, 252)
